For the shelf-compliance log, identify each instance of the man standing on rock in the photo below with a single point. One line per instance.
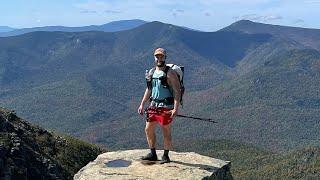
(163, 91)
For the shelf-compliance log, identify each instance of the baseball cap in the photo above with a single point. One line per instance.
(160, 51)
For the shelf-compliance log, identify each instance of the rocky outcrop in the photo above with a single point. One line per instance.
(22, 157)
(31, 152)
(126, 165)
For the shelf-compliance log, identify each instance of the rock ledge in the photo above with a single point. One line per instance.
(126, 165)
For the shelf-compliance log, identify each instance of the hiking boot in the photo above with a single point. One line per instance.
(150, 157)
(165, 159)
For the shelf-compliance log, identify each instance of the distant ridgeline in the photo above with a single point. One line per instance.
(109, 27)
(30, 152)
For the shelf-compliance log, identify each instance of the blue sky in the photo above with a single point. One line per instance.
(206, 15)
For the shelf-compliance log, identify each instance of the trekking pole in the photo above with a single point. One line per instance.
(191, 117)
(198, 118)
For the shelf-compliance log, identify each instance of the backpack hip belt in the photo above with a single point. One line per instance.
(166, 101)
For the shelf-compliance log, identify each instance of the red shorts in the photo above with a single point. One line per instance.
(160, 114)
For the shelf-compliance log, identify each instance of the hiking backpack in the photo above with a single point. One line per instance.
(179, 71)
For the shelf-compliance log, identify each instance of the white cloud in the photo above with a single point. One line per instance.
(99, 7)
(177, 12)
(271, 18)
(313, 1)
(253, 17)
(207, 14)
(92, 5)
(298, 21)
(256, 17)
(88, 11)
(247, 2)
(112, 12)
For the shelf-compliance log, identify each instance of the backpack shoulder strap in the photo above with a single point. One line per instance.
(149, 77)
(166, 70)
(151, 71)
(166, 79)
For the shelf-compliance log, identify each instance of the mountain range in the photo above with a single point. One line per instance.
(258, 81)
(109, 27)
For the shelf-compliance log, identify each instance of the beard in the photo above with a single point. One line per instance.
(160, 63)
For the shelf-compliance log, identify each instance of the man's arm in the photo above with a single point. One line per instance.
(174, 82)
(145, 98)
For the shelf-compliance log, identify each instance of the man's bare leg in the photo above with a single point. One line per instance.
(150, 133)
(151, 138)
(166, 130)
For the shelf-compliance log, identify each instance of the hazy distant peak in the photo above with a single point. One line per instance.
(6, 29)
(108, 27)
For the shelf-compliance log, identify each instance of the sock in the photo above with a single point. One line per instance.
(153, 151)
(166, 153)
